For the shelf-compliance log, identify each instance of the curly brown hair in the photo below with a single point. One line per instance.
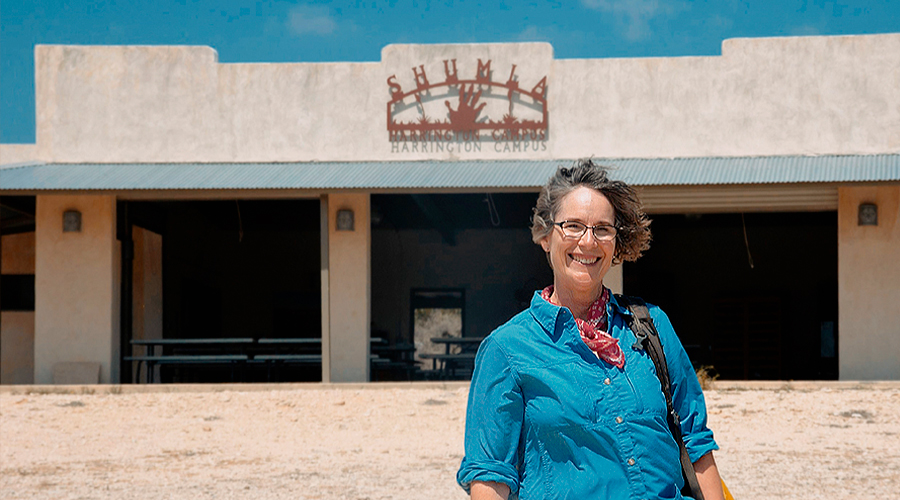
(632, 224)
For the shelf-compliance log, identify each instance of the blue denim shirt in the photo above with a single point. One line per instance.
(551, 420)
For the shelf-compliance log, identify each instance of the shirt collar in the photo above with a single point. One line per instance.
(559, 324)
(547, 314)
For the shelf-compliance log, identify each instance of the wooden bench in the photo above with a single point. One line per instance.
(268, 352)
(192, 351)
(290, 358)
(449, 363)
(449, 357)
(397, 360)
(184, 359)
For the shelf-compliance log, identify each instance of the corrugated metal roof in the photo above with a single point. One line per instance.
(409, 175)
(760, 170)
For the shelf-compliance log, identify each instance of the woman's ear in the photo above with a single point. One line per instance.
(545, 243)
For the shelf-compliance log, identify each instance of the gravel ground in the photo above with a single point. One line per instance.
(395, 441)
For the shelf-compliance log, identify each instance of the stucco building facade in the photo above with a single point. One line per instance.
(219, 186)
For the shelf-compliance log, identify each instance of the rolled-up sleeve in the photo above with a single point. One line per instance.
(686, 392)
(493, 421)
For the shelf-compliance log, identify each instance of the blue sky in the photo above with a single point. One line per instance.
(297, 31)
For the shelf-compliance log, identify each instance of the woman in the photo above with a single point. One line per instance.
(561, 405)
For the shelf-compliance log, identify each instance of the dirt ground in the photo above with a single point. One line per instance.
(396, 441)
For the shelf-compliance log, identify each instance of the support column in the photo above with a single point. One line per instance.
(613, 279)
(868, 274)
(76, 286)
(346, 289)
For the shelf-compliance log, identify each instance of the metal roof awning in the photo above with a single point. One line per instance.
(419, 175)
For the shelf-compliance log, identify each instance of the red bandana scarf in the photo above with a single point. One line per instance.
(593, 330)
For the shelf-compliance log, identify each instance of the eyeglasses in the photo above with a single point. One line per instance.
(574, 229)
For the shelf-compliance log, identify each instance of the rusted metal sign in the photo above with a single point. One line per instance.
(468, 111)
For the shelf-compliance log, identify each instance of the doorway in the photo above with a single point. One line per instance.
(229, 269)
(468, 258)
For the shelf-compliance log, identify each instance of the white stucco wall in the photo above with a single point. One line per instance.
(127, 103)
(869, 285)
(772, 96)
(16, 153)
(76, 286)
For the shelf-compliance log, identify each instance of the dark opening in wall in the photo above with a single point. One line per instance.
(17, 292)
(17, 214)
(774, 320)
(476, 243)
(238, 269)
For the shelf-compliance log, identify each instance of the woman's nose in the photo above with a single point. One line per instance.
(589, 234)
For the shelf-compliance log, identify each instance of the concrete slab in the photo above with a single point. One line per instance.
(726, 385)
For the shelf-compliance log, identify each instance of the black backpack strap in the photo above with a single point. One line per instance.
(642, 326)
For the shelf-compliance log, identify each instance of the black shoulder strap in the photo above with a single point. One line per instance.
(642, 326)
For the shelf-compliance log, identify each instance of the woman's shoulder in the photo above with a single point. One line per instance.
(660, 318)
(623, 302)
(520, 330)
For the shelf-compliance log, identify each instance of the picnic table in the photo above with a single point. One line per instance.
(185, 352)
(398, 360)
(448, 363)
(237, 353)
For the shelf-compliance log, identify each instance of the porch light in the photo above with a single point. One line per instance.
(71, 221)
(868, 214)
(345, 220)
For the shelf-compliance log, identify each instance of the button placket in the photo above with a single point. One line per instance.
(598, 403)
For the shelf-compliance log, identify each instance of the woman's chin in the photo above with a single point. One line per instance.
(581, 285)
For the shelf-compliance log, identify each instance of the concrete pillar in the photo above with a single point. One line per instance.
(613, 279)
(146, 292)
(346, 289)
(147, 286)
(868, 291)
(76, 286)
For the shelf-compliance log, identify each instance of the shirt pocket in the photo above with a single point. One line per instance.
(557, 395)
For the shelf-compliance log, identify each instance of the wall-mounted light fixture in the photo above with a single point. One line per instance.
(345, 220)
(868, 214)
(71, 221)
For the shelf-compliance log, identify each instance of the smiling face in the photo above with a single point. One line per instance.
(579, 264)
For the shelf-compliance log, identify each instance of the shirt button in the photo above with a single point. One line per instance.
(619, 420)
(606, 381)
(631, 461)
